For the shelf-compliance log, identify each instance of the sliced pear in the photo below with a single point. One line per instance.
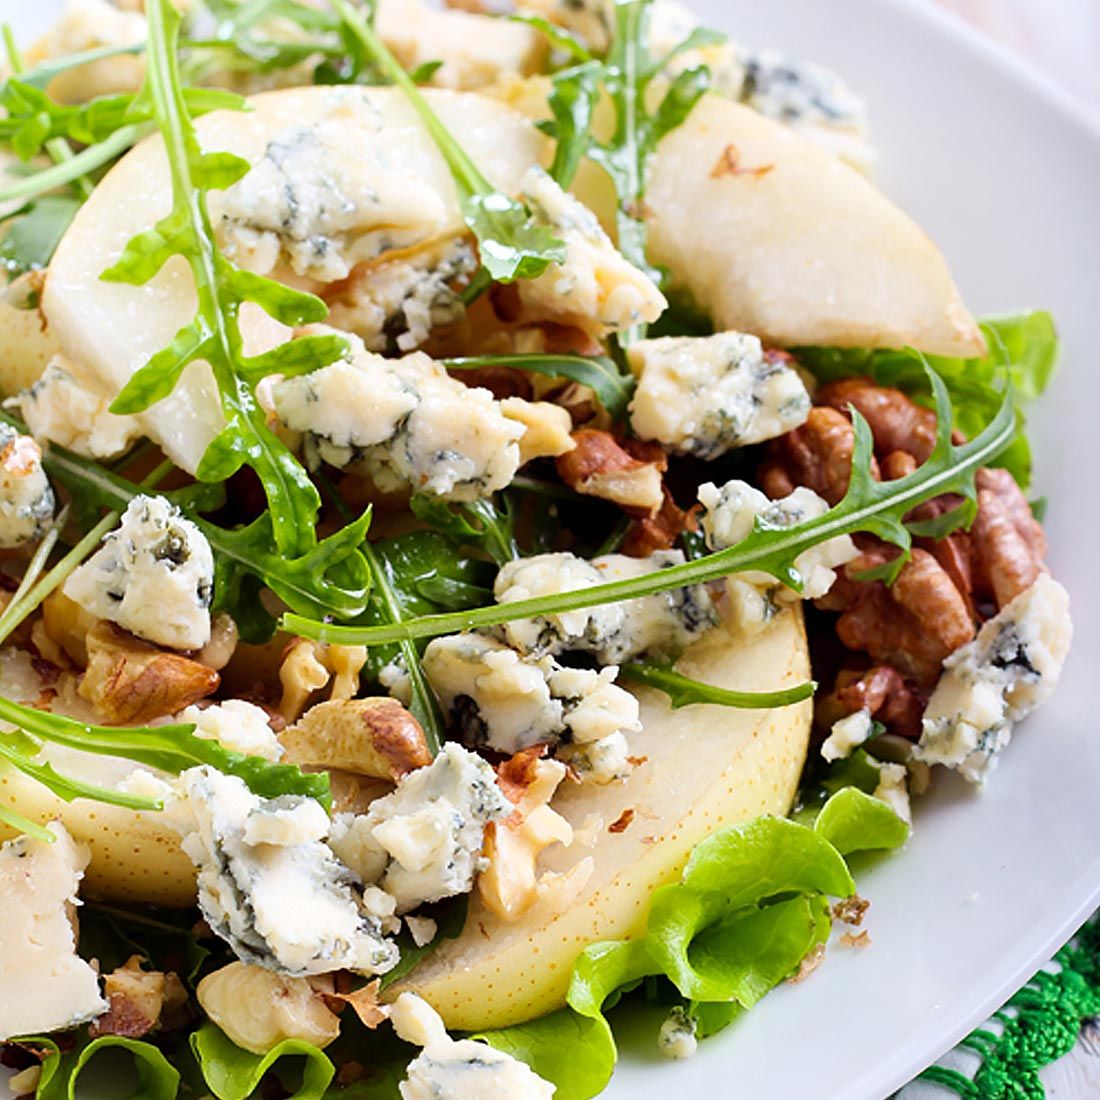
(769, 234)
(705, 767)
(114, 328)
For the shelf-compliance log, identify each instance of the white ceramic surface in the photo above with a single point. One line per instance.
(1002, 171)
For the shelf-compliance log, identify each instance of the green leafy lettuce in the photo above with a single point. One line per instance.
(235, 1074)
(61, 1071)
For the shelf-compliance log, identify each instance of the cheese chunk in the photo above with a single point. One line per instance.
(44, 985)
(236, 725)
(847, 734)
(26, 499)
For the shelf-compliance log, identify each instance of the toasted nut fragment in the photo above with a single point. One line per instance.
(1008, 543)
(882, 691)
(376, 737)
(218, 652)
(140, 1000)
(511, 884)
(548, 428)
(131, 682)
(307, 666)
(258, 1009)
(599, 466)
(649, 534)
(897, 422)
(68, 625)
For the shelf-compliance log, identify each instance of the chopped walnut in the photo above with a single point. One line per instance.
(67, 625)
(140, 1000)
(364, 1003)
(308, 666)
(374, 737)
(897, 422)
(882, 691)
(131, 682)
(851, 910)
(1008, 542)
(648, 534)
(601, 466)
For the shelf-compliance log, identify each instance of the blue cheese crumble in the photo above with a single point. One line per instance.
(270, 887)
(663, 624)
(26, 499)
(676, 1039)
(992, 682)
(423, 842)
(153, 576)
(447, 1069)
(706, 395)
(595, 288)
(847, 734)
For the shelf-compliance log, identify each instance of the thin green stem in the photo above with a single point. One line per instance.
(684, 691)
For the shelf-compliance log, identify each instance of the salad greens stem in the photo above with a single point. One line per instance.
(683, 691)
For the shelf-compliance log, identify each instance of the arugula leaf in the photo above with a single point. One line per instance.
(511, 245)
(612, 387)
(61, 1072)
(560, 38)
(234, 1074)
(1023, 349)
(33, 233)
(481, 524)
(878, 508)
(162, 937)
(169, 748)
(853, 821)
(222, 289)
(682, 691)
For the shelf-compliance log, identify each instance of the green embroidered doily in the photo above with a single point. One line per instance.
(1038, 1026)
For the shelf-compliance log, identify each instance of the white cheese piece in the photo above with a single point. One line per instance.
(607, 760)
(676, 1039)
(64, 407)
(893, 789)
(286, 821)
(729, 515)
(422, 929)
(595, 288)
(323, 199)
(1000, 677)
(26, 499)
(405, 423)
(508, 702)
(236, 725)
(44, 985)
(394, 677)
(847, 734)
(153, 575)
(705, 395)
(662, 624)
(432, 828)
(289, 906)
(462, 1070)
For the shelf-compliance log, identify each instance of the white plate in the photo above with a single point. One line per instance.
(1002, 171)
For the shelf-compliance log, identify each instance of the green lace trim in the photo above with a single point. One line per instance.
(1039, 1025)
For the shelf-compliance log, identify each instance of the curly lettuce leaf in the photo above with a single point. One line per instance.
(854, 821)
(1023, 349)
(61, 1072)
(234, 1074)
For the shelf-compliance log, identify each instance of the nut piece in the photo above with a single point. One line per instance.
(548, 426)
(307, 666)
(649, 534)
(896, 422)
(375, 737)
(1008, 543)
(600, 466)
(882, 692)
(68, 625)
(258, 1009)
(131, 682)
(139, 1001)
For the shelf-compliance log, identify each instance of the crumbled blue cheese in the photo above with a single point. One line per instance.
(44, 985)
(236, 725)
(394, 677)
(662, 624)
(271, 888)
(153, 576)
(323, 199)
(405, 423)
(462, 1070)
(595, 288)
(26, 499)
(507, 701)
(424, 841)
(992, 682)
(676, 1039)
(607, 760)
(728, 517)
(705, 395)
(63, 407)
(394, 305)
(847, 734)
(893, 789)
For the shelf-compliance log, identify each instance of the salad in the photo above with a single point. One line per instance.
(496, 510)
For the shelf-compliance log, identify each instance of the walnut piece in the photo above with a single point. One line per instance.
(1007, 541)
(140, 1000)
(648, 534)
(880, 690)
(897, 422)
(601, 466)
(308, 666)
(130, 682)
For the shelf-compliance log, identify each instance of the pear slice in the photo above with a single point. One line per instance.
(705, 767)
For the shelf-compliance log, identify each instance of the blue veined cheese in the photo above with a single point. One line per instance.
(393, 305)
(676, 1039)
(236, 725)
(44, 985)
(729, 514)
(153, 576)
(706, 395)
(288, 905)
(662, 624)
(26, 498)
(423, 842)
(607, 760)
(847, 734)
(893, 788)
(65, 408)
(322, 199)
(405, 423)
(447, 1069)
(508, 702)
(595, 288)
(987, 686)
